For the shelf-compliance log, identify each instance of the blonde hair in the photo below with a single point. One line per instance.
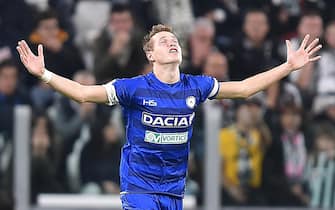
(147, 45)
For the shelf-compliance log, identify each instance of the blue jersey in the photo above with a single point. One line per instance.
(159, 119)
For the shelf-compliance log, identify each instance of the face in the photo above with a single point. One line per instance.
(312, 25)
(330, 111)
(243, 116)
(165, 49)
(256, 112)
(48, 29)
(121, 22)
(85, 79)
(216, 66)
(41, 126)
(110, 134)
(201, 44)
(330, 35)
(290, 120)
(8, 80)
(326, 144)
(40, 136)
(256, 26)
(202, 35)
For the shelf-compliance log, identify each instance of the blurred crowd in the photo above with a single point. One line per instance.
(277, 148)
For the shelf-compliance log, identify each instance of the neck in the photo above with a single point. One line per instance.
(167, 73)
(241, 127)
(256, 43)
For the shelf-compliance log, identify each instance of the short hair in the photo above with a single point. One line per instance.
(7, 63)
(255, 10)
(203, 22)
(147, 45)
(330, 23)
(119, 8)
(310, 13)
(45, 15)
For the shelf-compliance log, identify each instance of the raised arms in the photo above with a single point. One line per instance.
(80, 93)
(295, 60)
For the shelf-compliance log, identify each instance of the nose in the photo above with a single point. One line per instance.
(172, 44)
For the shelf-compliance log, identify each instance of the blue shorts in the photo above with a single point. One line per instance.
(150, 202)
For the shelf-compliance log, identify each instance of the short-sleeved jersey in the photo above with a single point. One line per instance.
(159, 119)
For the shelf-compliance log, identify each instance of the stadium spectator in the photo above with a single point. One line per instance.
(257, 109)
(216, 65)
(288, 93)
(241, 157)
(100, 159)
(44, 158)
(12, 26)
(326, 67)
(11, 94)
(286, 159)
(65, 10)
(70, 115)
(200, 44)
(310, 23)
(118, 52)
(61, 55)
(324, 109)
(254, 51)
(225, 15)
(284, 16)
(42, 96)
(72, 125)
(320, 171)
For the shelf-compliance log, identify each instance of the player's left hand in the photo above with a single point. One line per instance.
(305, 54)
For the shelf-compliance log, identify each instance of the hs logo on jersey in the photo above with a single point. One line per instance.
(149, 102)
(167, 121)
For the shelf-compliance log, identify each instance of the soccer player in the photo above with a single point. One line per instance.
(159, 111)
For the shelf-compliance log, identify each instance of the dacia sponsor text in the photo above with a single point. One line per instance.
(167, 121)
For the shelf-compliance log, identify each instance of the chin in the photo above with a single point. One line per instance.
(172, 61)
(175, 62)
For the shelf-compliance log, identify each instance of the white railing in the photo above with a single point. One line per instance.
(66, 201)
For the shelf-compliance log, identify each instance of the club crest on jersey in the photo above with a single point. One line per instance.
(190, 102)
(167, 121)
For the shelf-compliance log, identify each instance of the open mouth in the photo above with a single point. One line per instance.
(173, 50)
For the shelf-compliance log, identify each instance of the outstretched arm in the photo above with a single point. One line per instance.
(295, 60)
(71, 89)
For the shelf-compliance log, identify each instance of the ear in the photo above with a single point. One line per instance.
(150, 56)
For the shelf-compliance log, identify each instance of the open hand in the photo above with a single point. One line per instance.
(33, 63)
(299, 58)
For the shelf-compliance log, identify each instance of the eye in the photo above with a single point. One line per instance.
(163, 41)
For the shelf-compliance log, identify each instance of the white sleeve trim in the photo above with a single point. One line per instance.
(111, 93)
(215, 89)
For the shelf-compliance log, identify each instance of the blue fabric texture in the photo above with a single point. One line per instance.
(159, 119)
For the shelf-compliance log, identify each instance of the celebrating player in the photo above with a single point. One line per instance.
(159, 111)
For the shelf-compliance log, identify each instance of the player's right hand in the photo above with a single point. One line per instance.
(33, 63)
